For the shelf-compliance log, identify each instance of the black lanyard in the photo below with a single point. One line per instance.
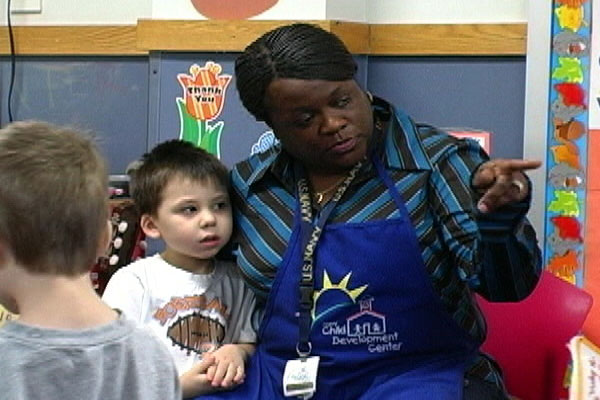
(310, 234)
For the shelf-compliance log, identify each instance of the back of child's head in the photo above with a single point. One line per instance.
(53, 198)
(169, 160)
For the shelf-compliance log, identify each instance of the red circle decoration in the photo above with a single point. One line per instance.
(232, 9)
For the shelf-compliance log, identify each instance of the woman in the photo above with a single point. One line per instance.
(365, 233)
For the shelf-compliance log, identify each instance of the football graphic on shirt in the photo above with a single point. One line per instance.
(196, 333)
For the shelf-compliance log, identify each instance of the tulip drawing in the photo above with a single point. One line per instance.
(203, 99)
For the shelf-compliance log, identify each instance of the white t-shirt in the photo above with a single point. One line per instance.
(190, 313)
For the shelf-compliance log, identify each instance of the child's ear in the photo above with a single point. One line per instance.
(149, 226)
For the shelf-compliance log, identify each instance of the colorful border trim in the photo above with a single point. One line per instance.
(567, 139)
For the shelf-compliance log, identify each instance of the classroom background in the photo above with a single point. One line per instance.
(125, 70)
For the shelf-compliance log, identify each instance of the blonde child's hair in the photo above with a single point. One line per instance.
(53, 197)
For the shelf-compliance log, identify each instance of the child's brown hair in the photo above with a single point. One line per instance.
(173, 159)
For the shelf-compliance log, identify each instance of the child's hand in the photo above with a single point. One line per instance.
(195, 382)
(228, 369)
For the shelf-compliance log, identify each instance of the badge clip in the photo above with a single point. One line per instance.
(300, 377)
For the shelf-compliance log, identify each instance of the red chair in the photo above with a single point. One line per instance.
(529, 338)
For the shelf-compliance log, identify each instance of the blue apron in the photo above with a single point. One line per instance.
(380, 330)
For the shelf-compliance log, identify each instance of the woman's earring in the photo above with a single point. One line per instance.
(369, 95)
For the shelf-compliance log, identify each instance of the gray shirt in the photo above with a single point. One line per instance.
(114, 361)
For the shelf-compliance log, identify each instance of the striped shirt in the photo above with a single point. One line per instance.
(494, 254)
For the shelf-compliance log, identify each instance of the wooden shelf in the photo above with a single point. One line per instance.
(445, 39)
(72, 40)
(234, 36)
(204, 35)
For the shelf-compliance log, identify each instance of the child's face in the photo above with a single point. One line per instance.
(194, 220)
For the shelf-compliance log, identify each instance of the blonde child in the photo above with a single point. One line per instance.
(67, 343)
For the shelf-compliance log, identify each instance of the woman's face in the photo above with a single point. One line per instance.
(324, 124)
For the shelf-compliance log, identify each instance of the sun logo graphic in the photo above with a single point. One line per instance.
(333, 296)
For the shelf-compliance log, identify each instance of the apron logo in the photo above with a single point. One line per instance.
(365, 328)
(333, 296)
(367, 321)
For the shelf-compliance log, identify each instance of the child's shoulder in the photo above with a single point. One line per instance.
(230, 273)
(228, 268)
(142, 264)
(148, 269)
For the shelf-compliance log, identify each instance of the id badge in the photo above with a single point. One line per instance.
(300, 377)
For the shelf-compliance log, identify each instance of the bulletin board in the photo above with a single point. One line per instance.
(567, 140)
(105, 95)
(592, 227)
(572, 144)
(198, 102)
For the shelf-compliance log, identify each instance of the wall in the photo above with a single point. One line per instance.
(536, 107)
(77, 12)
(484, 93)
(282, 10)
(446, 11)
(411, 85)
(107, 95)
(348, 10)
(240, 130)
(372, 11)
(130, 101)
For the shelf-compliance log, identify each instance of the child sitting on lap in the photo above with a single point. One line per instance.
(199, 306)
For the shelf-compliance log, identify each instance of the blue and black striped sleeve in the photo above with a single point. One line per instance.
(511, 260)
(452, 202)
(511, 257)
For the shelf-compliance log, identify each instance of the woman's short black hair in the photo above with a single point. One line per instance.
(299, 51)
